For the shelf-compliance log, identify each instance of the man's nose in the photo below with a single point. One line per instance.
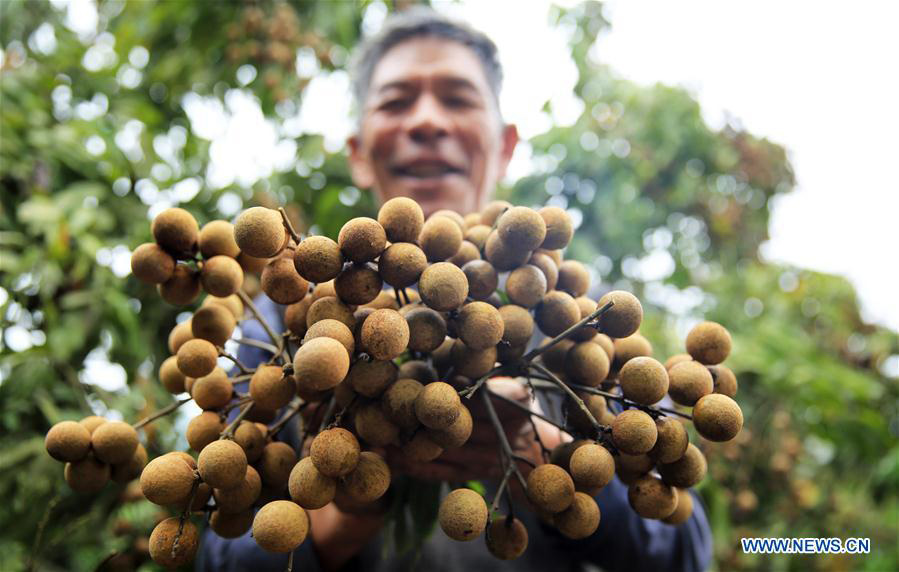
(428, 120)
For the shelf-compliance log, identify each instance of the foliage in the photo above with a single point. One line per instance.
(95, 138)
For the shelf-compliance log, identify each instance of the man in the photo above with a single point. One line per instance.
(430, 128)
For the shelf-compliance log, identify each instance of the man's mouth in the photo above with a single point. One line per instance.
(426, 170)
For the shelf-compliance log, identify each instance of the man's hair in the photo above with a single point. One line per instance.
(420, 22)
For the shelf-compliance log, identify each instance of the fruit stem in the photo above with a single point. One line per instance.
(532, 355)
(243, 369)
(185, 513)
(294, 410)
(161, 413)
(248, 302)
(472, 389)
(571, 394)
(293, 234)
(526, 410)
(290, 561)
(505, 448)
(228, 433)
(258, 344)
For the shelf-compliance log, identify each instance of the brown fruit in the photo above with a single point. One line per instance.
(573, 278)
(182, 288)
(217, 238)
(308, 487)
(507, 538)
(358, 284)
(421, 448)
(584, 333)
(318, 259)
(260, 232)
(362, 239)
(456, 434)
(493, 210)
(651, 498)
(438, 405)
(606, 343)
(385, 334)
(556, 313)
(684, 508)
(687, 471)
(522, 227)
(368, 481)
(502, 255)
(231, 525)
(212, 391)
(561, 454)
(549, 268)
(329, 307)
(472, 363)
(477, 235)
(280, 526)
(418, 370)
(427, 329)
(625, 315)
(725, 382)
(162, 542)
(170, 376)
(631, 467)
(634, 432)
(197, 358)
(151, 264)
(114, 442)
(295, 316)
(239, 498)
(214, 323)
(180, 334)
(440, 238)
(402, 264)
(251, 439)
(330, 328)
(579, 520)
(402, 219)
(323, 289)
(587, 364)
(554, 357)
(398, 403)
(452, 215)
(717, 417)
(132, 468)
(518, 325)
(479, 325)
(221, 276)
(592, 466)
(559, 228)
(466, 253)
(630, 347)
(68, 441)
(526, 286)
(643, 380)
(676, 359)
(709, 343)
(281, 282)
(373, 427)
(550, 488)
(688, 381)
(320, 364)
(176, 230)
(251, 265)
(482, 279)
(596, 404)
(335, 452)
(443, 286)
(463, 515)
(88, 475)
(222, 464)
(204, 429)
(672, 441)
(276, 463)
(270, 388)
(371, 378)
(167, 480)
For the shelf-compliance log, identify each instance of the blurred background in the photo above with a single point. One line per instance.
(723, 161)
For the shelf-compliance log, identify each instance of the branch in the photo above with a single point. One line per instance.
(532, 355)
(655, 411)
(258, 344)
(526, 409)
(186, 513)
(571, 394)
(296, 408)
(161, 413)
(472, 389)
(248, 302)
(228, 433)
(293, 234)
(243, 369)
(505, 448)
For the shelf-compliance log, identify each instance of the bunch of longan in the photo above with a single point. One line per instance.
(388, 329)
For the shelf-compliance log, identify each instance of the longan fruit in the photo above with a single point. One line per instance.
(330, 307)
(182, 288)
(596, 405)
(251, 439)
(463, 515)
(197, 358)
(561, 453)
(482, 279)
(554, 357)
(643, 380)
(371, 378)
(554, 254)
(452, 215)
(362, 239)
(231, 525)
(625, 315)
(320, 364)
(402, 219)
(167, 480)
(651, 498)
(438, 405)
(471, 219)
(549, 268)
(179, 334)
(479, 325)
(717, 417)
(587, 364)
(251, 265)
(222, 464)
(191, 462)
(477, 235)
(151, 264)
(281, 282)
(217, 238)
(584, 333)
(504, 256)
(559, 228)
(68, 441)
(507, 538)
(402, 264)
(308, 487)
(275, 464)
(724, 380)
(88, 476)
(526, 286)
(556, 313)
(318, 259)
(579, 520)
(676, 359)
(171, 377)
(442, 356)
(443, 286)
(358, 284)
(709, 343)
(114, 442)
(260, 232)
(162, 542)
(373, 426)
(212, 391)
(518, 325)
(386, 298)
(573, 278)
(592, 465)
(493, 210)
(398, 403)
(631, 467)
(204, 429)
(418, 370)
(550, 488)
(634, 432)
(687, 471)
(427, 329)
(606, 343)
(466, 253)
(626, 349)
(91, 422)
(472, 363)
(241, 497)
(132, 468)
(176, 230)
(440, 238)
(233, 303)
(329, 328)
(270, 388)
(421, 448)
(214, 323)
(368, 481)
(323, 289)
(221, 276)
(385, 334)
(280, 526)
(335, 452)
(456, 434)
(672, 441)
(684, 508)
(688, 381)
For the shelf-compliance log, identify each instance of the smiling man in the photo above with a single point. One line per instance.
(430, 128)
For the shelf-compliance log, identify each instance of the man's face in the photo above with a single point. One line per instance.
(430, 128)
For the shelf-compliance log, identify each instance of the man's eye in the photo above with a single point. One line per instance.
(393, 104)
(458, 102)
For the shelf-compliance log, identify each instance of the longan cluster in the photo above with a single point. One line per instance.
(96, 451)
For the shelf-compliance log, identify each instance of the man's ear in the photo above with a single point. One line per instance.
(509, 141)
(360, 167)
